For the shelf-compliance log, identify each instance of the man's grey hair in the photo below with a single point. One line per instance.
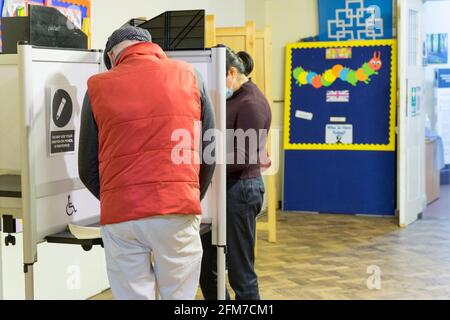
(118, 48)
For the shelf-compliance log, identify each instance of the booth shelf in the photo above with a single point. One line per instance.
(87, 244)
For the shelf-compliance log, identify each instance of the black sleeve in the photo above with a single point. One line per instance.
(88, 169)
(208, 156)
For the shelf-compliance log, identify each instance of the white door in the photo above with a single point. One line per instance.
(411, 186)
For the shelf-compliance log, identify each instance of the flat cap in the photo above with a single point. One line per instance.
(122, 34)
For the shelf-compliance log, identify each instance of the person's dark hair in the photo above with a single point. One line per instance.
(242, 61)
(247, 61)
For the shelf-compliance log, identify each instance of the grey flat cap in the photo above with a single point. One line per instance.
(122, 34)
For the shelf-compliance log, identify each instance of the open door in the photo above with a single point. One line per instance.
(411, 177)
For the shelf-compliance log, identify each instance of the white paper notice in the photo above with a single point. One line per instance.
(338, 119)
(304, 115)
(339, 134)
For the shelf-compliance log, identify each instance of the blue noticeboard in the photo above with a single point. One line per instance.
(340, 144)
(355, 19)
(364, 105)
(340, 182)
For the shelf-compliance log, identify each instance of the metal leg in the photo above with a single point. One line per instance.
(29, 283)
(1, 269)
(221, 273)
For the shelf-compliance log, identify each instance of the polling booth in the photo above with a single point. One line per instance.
(41, 95)
(211, 63)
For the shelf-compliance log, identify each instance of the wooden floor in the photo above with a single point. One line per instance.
(327, 257)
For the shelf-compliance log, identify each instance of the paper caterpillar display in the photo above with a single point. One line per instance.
(326, 79)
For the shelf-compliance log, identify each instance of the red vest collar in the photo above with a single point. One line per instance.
(141, 49)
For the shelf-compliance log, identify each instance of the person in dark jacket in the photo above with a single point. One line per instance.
(248, 123)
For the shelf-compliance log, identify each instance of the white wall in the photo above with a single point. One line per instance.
(437, 14)
(107, 15)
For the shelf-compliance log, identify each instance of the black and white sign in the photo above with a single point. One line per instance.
(62, 141)
(62, 127)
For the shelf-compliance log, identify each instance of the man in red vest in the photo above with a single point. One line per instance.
(129, 159)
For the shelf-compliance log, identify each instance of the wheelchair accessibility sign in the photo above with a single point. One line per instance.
(62, 128)
(70, 207)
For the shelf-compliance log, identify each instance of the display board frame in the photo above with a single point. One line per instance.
(289, 104)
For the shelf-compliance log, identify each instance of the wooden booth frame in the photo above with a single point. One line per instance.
(259, 45)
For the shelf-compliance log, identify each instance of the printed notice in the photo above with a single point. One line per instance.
(339, 134)
(338, 53)
(62, 113)
(338, 119)
(304, 115)
(62, 141)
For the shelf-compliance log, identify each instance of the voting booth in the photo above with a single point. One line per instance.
(41, 95)
(211, 63)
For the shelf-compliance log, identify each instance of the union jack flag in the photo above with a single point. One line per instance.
(338, 96)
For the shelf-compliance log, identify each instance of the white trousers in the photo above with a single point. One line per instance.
(174, 242)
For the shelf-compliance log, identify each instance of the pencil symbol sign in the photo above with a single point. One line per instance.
(62, 108)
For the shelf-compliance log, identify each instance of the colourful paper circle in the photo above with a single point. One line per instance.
(344, 73)
(317, 82)
(297, 72)
(310, 77)
(337, 70)
(329, 76)
(326, 83)
(360, 75)
(351, 77)
(302, 78)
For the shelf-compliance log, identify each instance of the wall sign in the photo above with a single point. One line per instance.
(443, 78)
(355, 19)
(63, 107)
(415, 101)
(437, 48)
